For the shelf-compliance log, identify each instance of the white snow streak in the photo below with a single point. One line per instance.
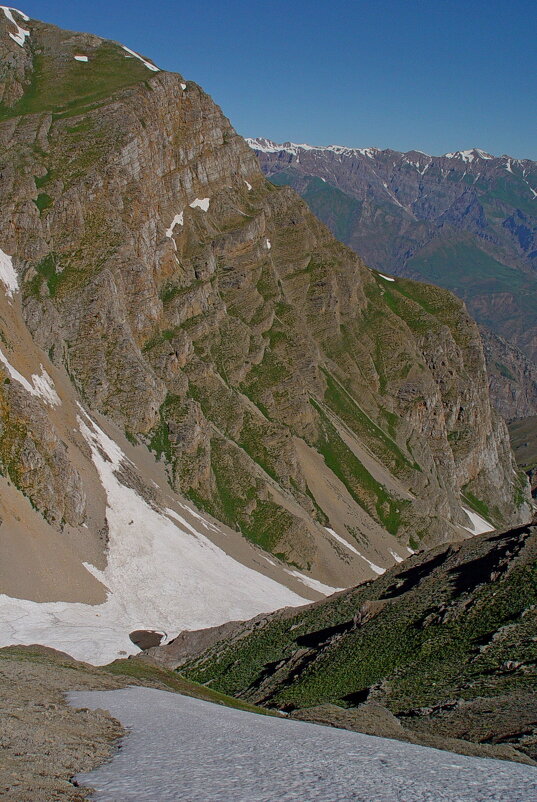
(140, 58)
(396, 556)
(342, 540)
(201, 203)
(314, 584)
(22, 33)
(479, 524)
(249, 186)
(41, 386)
(376, 568)
(268, 244)
(8, 275)
(161, 574)
(386, 278)
(178, 220)
(183, 87)
(81, 58)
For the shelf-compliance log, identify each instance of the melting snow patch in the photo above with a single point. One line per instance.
(140, 58)
(395, 556)
(7, 274)
(183, 87)
(41, 386)
(178, 220)
(479, 524)
(22, 33)
(268, 244)
(342, 540)
(376, 568)
(249, 186)
(81, 58)
(44, 387)
(386, 278)
(314, 584)
(201, 203)
(161, 574)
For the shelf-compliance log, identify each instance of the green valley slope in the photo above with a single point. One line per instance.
(442, 647)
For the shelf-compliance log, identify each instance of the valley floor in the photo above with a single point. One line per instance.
(184, 748)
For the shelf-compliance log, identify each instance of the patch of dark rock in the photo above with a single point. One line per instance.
(429, 712)
(511, 737)
(407, 580)
(489, 567)
(146, 638)
(356, 698)
(485, 639)
(313, 640)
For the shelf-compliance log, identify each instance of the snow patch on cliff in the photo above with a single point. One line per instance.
(478, 524)
(8, 275)
(141, 58)
(178, 220)
(22, 34)
(201, 203)
(375, 568)
(386, 278)
(41, 385)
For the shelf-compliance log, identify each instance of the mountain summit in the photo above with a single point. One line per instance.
(209, 407)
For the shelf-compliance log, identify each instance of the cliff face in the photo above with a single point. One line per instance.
(466, 221)
(209, 316)
(512, 377)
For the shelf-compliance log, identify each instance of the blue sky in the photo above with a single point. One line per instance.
(436, 75)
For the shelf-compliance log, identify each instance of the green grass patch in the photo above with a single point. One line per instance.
(66, 87)
(43, 202)
(345, 407)
(366, 491)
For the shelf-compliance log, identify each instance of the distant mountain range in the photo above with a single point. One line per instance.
(466, 221)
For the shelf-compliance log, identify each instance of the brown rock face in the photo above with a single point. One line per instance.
(212, 317)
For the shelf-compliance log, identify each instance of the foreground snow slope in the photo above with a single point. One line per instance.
(162, 573)
(229, 754)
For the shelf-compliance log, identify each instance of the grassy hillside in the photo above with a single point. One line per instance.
(435, 642)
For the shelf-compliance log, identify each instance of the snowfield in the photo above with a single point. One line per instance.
(41, 385)
(8, 275)
(479, 524)
(163, 573)
(182, 748)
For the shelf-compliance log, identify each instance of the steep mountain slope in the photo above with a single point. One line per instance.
(164, 297)
(512, 377)
(446, 644)
(466, 221)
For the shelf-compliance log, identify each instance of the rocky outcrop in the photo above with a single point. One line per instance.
(210, 316)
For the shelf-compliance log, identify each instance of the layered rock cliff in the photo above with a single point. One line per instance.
(331, 415)
(466, 221)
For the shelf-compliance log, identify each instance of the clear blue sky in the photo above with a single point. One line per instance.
(436, 75)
